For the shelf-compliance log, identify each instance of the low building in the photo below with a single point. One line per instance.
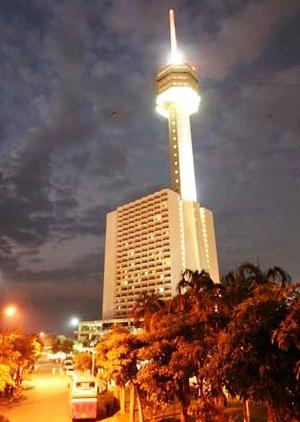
(89, 331)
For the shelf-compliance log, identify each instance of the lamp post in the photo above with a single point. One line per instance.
(93, 361)
(74, 322)
(8, 311)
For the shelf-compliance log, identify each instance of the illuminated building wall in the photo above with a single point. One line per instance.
(148, 244)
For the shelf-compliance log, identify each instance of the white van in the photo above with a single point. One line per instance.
(84, 397)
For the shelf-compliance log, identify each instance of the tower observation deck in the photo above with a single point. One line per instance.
(178, 97)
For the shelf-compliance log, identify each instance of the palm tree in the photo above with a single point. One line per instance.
(240, 284)
(146, 306)
(277, 275)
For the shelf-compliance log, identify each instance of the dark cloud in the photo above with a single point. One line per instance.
(28, 14)
(242, 36)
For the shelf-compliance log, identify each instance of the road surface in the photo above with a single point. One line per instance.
(46, 399)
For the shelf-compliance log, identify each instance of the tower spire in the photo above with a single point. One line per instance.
(173, 39)
(175, 55)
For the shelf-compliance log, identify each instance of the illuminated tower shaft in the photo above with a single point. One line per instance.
(177, 98)
(181, 153)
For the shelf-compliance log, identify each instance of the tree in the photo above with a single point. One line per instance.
(179, 338)
(83, 361)
(241, 335)
(147, 305)
(166, 372)
(207, 319)
(62, 344)
(116, 357)
(288, 334)
(5, 377)
(19, 352)
(249, 363)
(239, 284)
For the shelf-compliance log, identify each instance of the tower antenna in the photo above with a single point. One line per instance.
(174, 52)
(175, 55)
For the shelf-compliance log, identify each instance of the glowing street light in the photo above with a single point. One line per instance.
(10, 311)
(74, 321)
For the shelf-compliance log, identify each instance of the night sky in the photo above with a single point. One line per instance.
(79, 136)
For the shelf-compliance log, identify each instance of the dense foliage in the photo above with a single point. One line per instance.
(18, 352)
(240, 338)
(83, 361)
(62, 344)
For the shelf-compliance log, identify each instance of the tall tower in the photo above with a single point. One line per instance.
(151, 240)
(177, 98)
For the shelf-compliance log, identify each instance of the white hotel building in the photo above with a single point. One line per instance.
(150, 241)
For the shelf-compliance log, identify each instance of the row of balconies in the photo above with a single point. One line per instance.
(150, 244)
(145, 203)
(151, 268)
(151, 271)
(147, 217)
(120, 291)
(156, 268)
(144, 228)
(140, 247)
(144, 249)
(129, 241)
(163, 259)
(136, 288)
(159, 197)
(141, 239)
(146, 212)
(144, 280)
(123, 262)
(143, 218)
(138, 277)
(129, 291)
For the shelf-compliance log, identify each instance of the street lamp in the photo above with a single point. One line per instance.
(74, 321)
(9, 311)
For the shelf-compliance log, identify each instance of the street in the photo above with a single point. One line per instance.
(45, 400)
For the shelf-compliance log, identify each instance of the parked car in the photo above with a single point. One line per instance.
(69, 370)
(68, 366)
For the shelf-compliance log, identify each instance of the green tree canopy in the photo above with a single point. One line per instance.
(5, 377)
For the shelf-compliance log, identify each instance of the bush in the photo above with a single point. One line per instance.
(107, 405)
